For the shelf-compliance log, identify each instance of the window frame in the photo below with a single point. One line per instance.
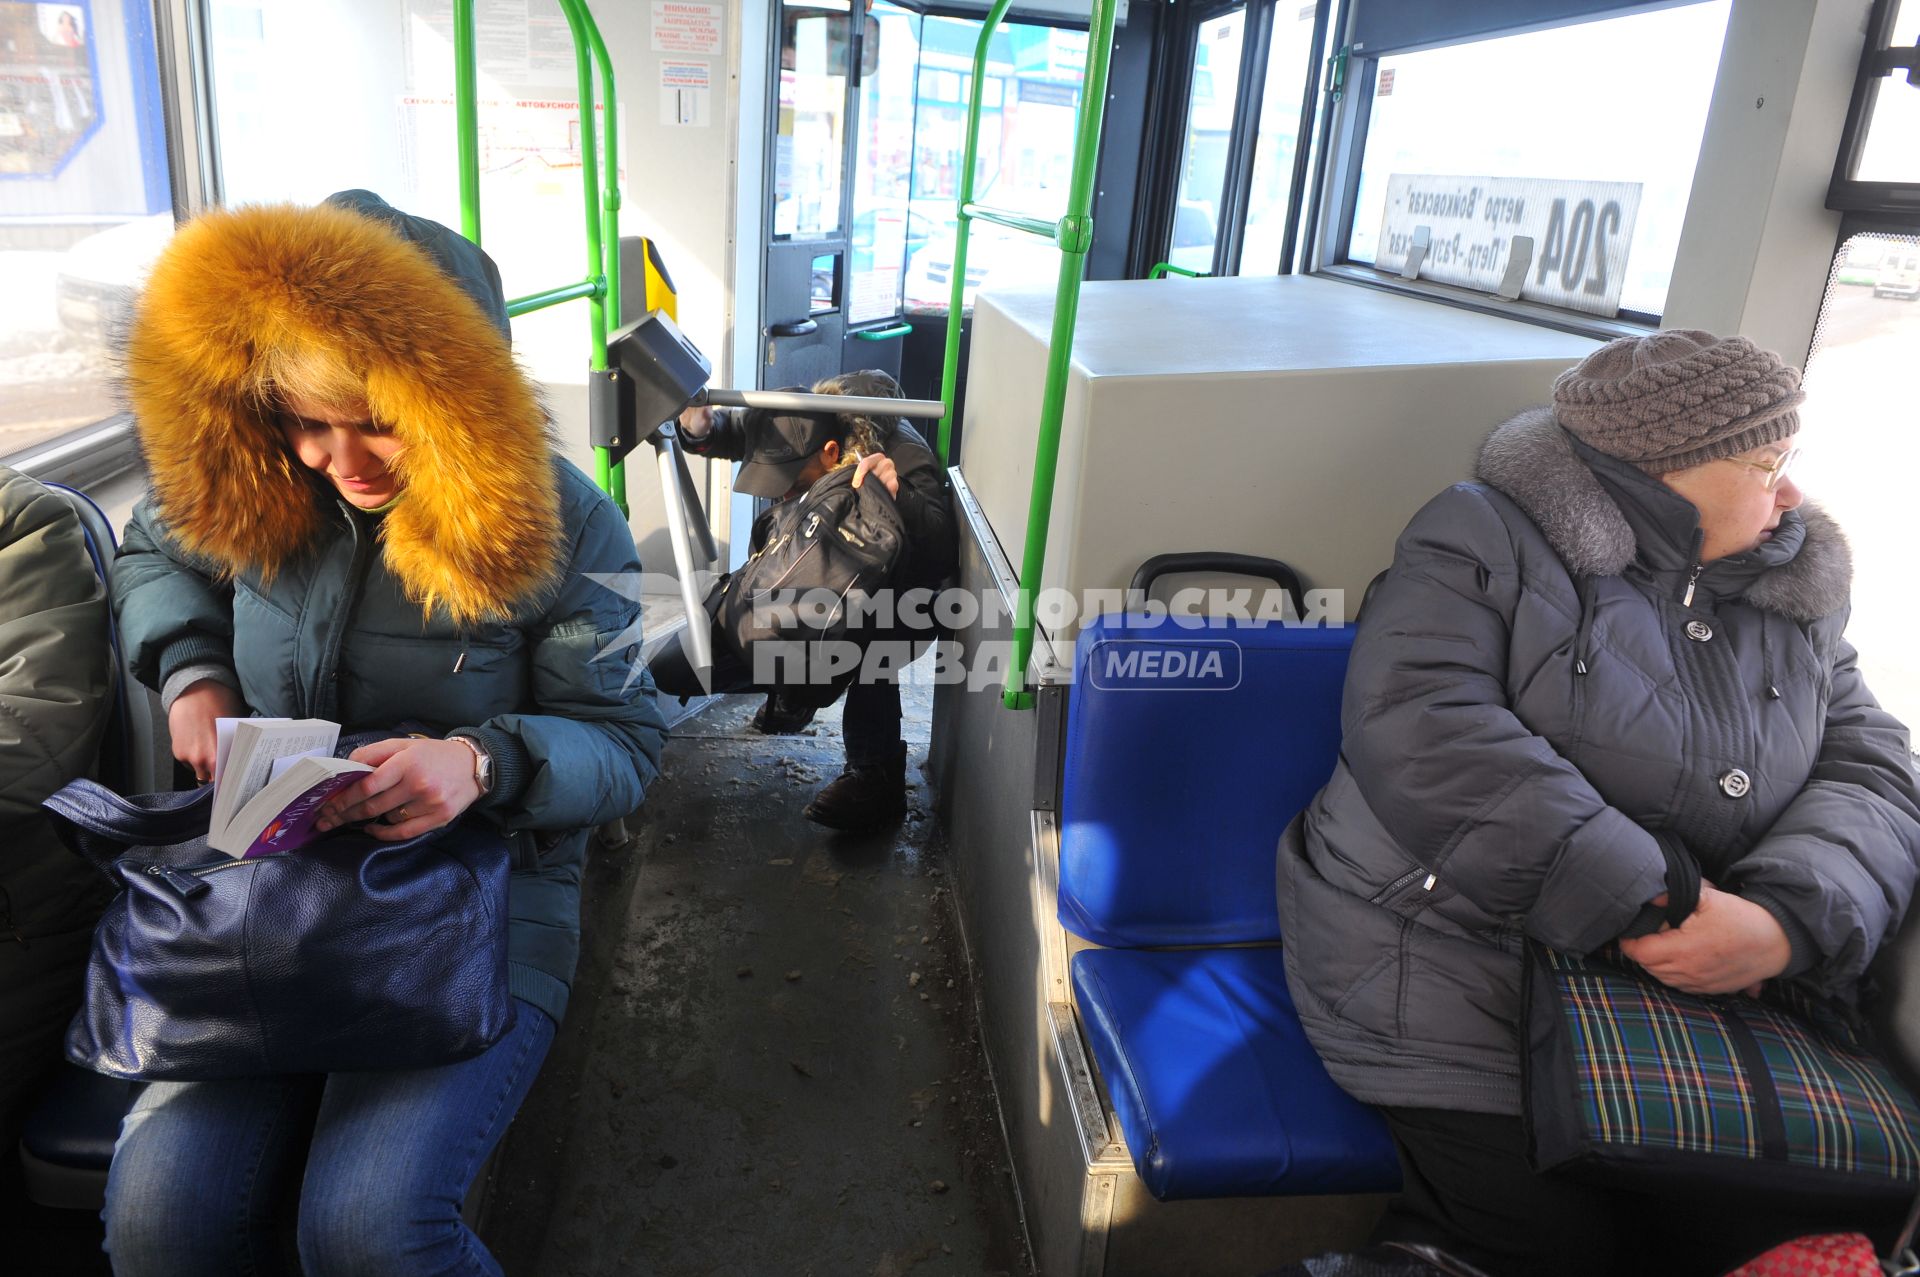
(109, 447)
(1169, 116)
(1878, 60)
(1343, 147)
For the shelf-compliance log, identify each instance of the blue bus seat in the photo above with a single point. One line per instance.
(1217, 1089)
(1176, 788)
(67, 1139)
(1191, 743)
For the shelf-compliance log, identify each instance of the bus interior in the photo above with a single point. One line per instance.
(1041, 1027)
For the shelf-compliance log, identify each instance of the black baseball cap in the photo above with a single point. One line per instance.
(779, 445)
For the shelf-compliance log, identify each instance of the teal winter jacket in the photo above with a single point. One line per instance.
(469, 605)
(546, 690)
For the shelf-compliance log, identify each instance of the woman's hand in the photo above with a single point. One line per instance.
(881, 467)
(1726, 945)
(416, 785)
(190, 723)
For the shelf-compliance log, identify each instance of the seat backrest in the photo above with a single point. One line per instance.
(1190, 745)
(133, 758)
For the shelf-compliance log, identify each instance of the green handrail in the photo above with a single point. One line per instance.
(1074, 234)
(552, 297)
(601, 193)
(1165, 269)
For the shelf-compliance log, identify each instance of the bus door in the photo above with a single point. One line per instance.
(809, 254)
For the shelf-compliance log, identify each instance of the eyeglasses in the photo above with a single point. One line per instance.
(1774, 470)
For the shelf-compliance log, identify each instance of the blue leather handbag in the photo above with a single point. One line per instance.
(348, 954)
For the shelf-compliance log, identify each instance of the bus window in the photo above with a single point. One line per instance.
(1888, 152)
(85, 206)
(1552, 105)
(1028, 106)
(1856, 432)
(1203, 166)
(1289, 55)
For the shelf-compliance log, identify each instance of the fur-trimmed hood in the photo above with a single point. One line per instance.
(477, 530)
(1531, 459)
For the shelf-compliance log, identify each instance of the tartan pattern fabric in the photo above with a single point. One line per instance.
(1732, 1077)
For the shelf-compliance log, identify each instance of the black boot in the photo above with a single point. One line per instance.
(864, 798)
(778, 717)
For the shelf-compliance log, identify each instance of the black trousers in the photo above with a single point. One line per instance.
(1467, 1188)
(870, 723)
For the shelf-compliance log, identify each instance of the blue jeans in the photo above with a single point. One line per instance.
(205, 1173)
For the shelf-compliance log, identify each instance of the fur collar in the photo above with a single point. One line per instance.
(1531, 460)
(477, 531)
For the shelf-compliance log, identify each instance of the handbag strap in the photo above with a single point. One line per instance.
(101, 825)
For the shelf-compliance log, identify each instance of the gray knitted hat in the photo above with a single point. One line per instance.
(1678, 398)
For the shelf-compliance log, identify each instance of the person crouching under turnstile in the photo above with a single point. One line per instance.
(784, 455)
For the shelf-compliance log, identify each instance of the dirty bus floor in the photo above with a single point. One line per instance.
(771, 1063)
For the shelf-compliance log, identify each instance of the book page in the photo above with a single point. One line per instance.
(223, 743)
(282, 814)
(257, 742)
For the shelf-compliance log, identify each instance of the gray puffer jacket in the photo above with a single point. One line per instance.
(1532, 705)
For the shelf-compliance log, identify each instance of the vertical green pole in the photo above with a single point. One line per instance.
(466, 116)
(1076, 237)
(610, 210)
(963, 228)
(577, 22)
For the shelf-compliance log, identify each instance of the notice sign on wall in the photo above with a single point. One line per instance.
(1580, 231)
(686, 26)
(686, 93)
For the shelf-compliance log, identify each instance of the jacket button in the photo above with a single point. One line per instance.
(1699, 631)
(1735, 784)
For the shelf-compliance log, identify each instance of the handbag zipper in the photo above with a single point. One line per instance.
(186, 884)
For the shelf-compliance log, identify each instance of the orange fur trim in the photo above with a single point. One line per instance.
(478, 531)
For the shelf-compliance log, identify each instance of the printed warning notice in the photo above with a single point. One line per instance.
(686, 26)
(686, 93)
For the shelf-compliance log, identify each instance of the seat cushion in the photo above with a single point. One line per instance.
(1217, 1089)
(77, 1119)
(1190, 745)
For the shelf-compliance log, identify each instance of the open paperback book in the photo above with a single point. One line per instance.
(270, 776)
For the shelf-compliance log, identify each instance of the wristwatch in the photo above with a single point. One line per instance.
(482, 763)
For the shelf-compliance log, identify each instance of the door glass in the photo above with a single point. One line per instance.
(1289, 54)
(824, 280)
(85, 207)
(884, 228)
(1856, 429)
(1203, 166)
(1025, 160)
(813, 117)
(1892, 150)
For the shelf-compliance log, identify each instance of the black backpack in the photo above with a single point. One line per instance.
(817, 562)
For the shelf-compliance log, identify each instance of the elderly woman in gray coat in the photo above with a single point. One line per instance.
(1623, 639)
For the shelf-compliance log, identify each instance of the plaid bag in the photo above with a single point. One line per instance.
(1626, 1078)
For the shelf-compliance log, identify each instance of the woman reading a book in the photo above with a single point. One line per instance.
(356, 516)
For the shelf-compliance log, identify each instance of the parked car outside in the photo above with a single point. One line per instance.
(99, 277)
(1899, 274)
